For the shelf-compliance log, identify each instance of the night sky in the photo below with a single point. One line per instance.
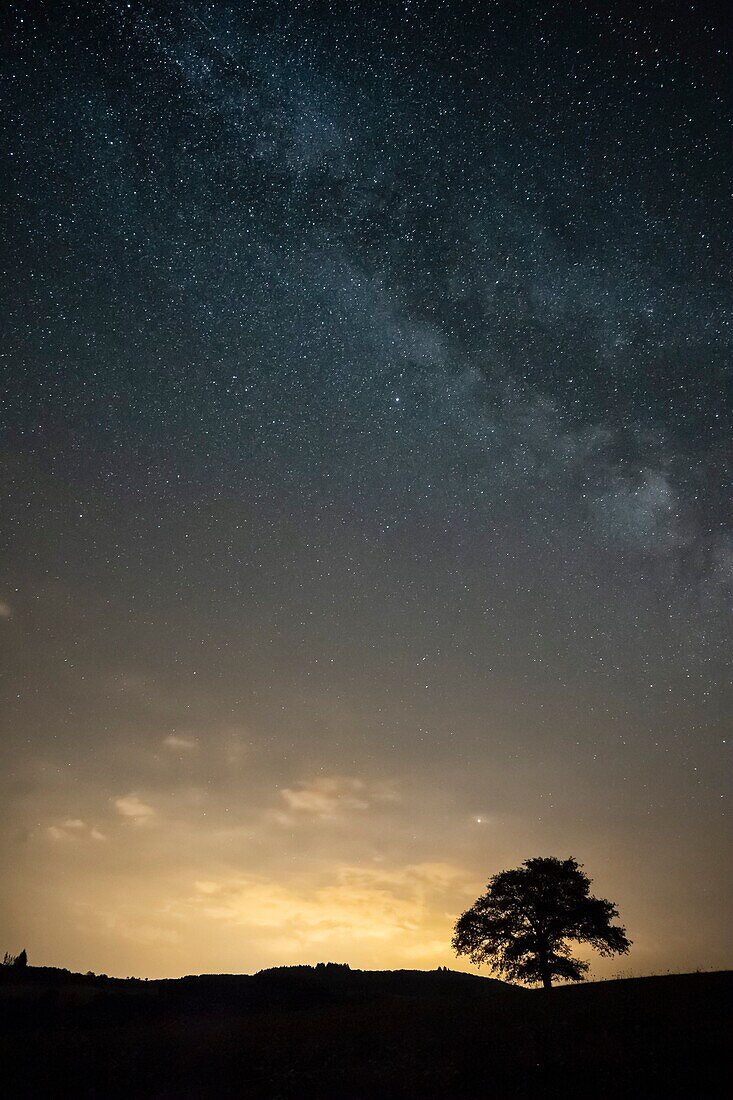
(363, 473)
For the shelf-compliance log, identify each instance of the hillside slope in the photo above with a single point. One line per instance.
(338, 1034)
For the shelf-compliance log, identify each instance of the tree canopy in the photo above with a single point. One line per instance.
(520, 926)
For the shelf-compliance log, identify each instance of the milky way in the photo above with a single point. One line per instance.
(363, 474)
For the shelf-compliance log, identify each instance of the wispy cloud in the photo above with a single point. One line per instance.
(74, 829)
(6, 610)
(328, 796)
(132, 807)
(360, 903)
(179, 743)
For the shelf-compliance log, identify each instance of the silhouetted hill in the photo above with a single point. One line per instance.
(286, 986)
(338, 1034)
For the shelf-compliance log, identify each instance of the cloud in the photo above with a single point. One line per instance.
(327, 796)
(416, 877)
(360, 903)
(140, 932)
(178, 743)
(132, 807)
(6, 610)
(74, 828)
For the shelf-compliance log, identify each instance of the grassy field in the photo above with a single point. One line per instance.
(338, 1034)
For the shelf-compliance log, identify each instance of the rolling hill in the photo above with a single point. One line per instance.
(332, 1033)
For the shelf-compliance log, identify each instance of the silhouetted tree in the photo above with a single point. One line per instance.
(22, 959)
(520, 925)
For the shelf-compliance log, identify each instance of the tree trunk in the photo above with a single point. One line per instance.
(544, 967)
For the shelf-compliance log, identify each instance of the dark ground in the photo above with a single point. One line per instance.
(335, 1034)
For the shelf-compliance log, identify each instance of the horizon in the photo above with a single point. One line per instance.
(363, 478)
(323, 964)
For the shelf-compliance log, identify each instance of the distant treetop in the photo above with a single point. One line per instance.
(15, 960)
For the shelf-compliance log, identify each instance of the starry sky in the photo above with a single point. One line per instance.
(363, 475)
